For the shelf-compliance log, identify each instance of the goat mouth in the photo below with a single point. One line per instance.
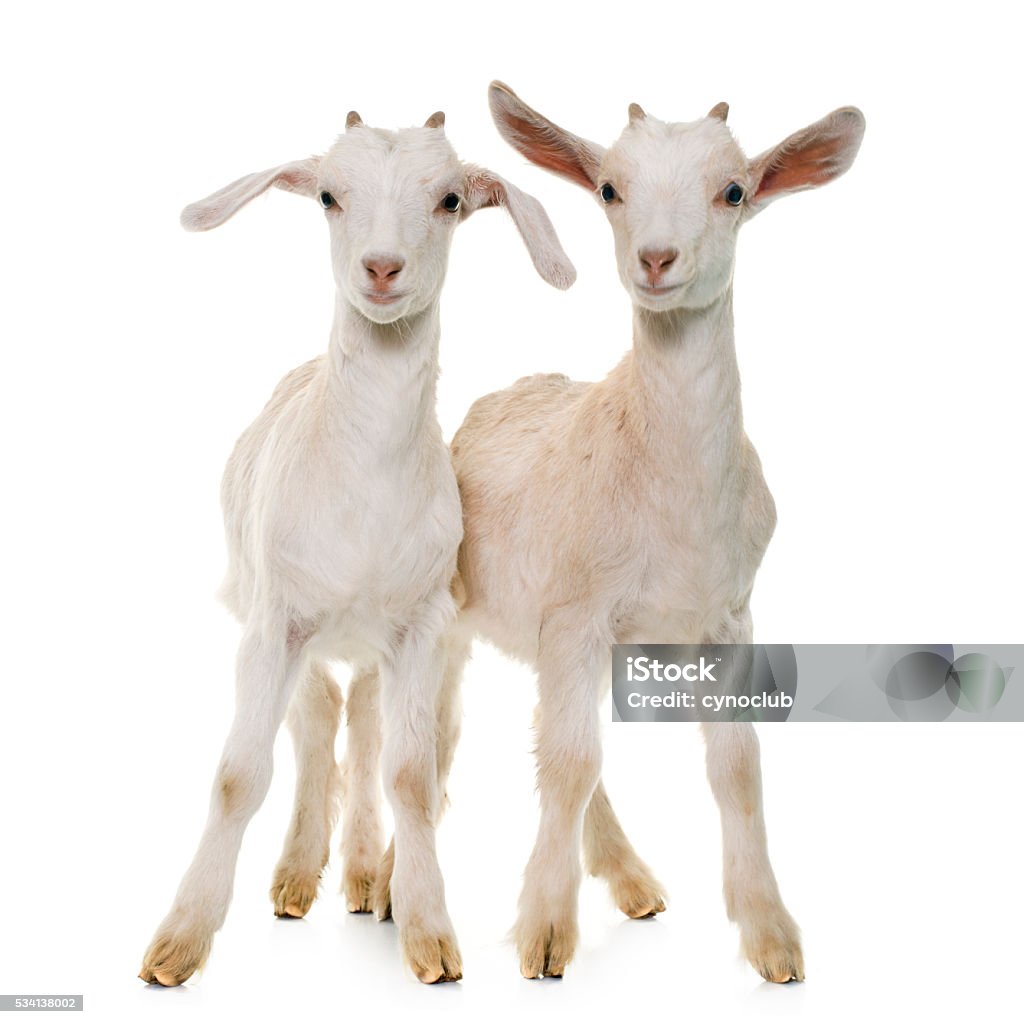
(655, 290)
(383, 298)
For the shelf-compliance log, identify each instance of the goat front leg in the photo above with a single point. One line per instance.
(449, 725)
(313, 722)
(770, 937)
(568, 769)
(267, 668)
(362, 834)
(411, 680)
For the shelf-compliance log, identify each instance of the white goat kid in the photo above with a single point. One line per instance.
(343, 521)
(634, 510)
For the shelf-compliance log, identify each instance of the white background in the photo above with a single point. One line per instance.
(880, 345)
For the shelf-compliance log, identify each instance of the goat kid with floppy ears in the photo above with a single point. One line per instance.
(343, 521)
(634, 510)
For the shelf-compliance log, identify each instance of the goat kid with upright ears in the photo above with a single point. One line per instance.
(343, 521)
(634, 510)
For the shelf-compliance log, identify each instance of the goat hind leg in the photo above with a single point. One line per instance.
(608, 854)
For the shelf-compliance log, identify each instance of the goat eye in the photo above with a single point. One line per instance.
(326, 200)
(733, 194)
(451, 202)
(608, 194)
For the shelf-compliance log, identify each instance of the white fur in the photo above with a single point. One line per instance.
(343, 521)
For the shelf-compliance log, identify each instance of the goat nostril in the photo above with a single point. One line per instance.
(381, 269)
(656, 260)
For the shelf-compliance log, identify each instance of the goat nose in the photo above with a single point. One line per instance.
(382, 268)
(656, 261)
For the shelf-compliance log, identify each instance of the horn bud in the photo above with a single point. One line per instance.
(436, 120)
(720, 111)
(636, 113)
(353, 120)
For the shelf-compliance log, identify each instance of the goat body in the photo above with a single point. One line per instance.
(614, 497)
(342, 493)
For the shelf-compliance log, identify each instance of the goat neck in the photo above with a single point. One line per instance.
(685, 384)
(383, 377)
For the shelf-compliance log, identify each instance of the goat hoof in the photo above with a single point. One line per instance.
(381, 896)
(774, 951)
(175, 955)
(433, 958)
(358, 886)
(545, 951)
(293, 895)
(638, 896)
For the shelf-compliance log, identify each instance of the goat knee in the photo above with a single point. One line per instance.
(240, 790)
(412, 786)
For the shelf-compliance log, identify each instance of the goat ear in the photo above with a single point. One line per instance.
(226, 202)
(485, 188)
(541, 141)
(811, 157)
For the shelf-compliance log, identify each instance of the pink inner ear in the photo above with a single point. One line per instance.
(549, 153)
(811, 165)
(297, 178)
(486, 189)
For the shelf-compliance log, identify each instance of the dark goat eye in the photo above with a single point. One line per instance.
(326, 200)
(608, 194)
(733, 194)
(451, 202)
